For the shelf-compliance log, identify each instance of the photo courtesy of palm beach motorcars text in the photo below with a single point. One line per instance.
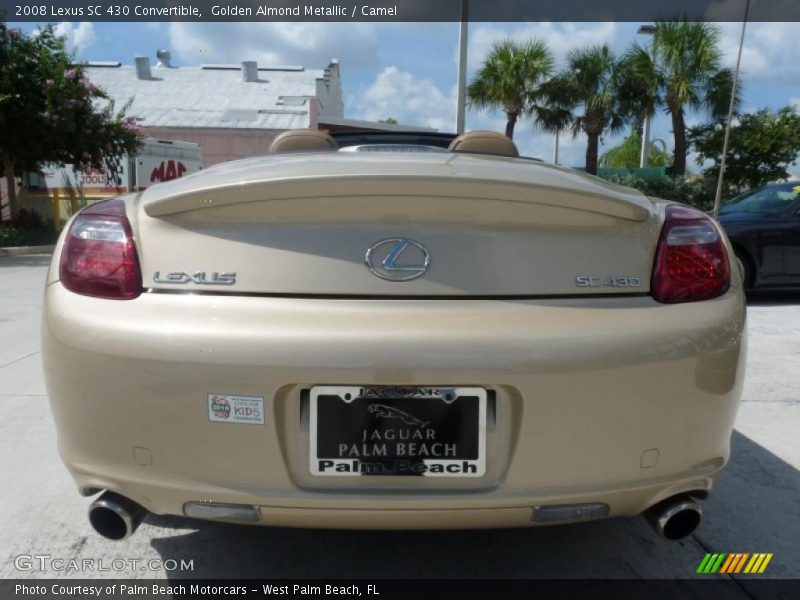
(180, 590)
(399, 298)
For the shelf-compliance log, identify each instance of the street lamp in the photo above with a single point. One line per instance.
(643, 156)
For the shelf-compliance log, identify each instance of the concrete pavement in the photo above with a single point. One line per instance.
(754, 508)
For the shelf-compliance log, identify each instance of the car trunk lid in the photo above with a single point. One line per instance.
(366, 224)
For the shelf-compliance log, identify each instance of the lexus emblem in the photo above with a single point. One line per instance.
(397, 259)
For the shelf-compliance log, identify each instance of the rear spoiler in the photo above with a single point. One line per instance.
(631, 206)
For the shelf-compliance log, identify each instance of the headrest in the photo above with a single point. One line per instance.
(302, 140)
(484, 142)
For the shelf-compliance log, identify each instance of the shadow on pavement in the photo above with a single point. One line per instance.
(754, 509)
(773, 298)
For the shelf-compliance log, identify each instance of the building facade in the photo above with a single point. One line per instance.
(232, 111)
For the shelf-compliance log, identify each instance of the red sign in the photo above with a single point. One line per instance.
(167, 170)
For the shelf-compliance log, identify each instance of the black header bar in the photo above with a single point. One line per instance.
(42, 11)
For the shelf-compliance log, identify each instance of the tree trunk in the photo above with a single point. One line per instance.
(591, 152)
(679, 133)
(11, 187)
(512, 120)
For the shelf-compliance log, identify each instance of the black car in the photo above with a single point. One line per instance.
(764, 228)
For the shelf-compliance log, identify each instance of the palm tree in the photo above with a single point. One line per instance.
(510, 79)
(590, 86)
(626, 154)
(685, 73)
(639, 86)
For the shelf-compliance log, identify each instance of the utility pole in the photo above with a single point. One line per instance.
(644, 154)
(555, 148)
(461, 108)
(718, 195)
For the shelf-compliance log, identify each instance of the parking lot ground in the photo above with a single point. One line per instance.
(754, 507)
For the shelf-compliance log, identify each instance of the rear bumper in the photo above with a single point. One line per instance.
(619, 401)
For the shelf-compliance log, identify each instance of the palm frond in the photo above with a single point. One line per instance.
(718, 92)
(588, 87)
(510, 76)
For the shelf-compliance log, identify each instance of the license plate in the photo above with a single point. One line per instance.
(381, 430)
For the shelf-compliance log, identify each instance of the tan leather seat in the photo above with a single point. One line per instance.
(484, 142)
(303, 140)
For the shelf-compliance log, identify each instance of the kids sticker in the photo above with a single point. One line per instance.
(236, 409)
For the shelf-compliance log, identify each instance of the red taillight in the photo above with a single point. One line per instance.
(99, 257)
(691, 260)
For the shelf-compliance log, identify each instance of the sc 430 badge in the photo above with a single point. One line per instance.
(592, 281)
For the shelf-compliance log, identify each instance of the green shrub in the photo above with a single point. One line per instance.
(11, 236)
(693, 190)
(28, 219)
(26, 229)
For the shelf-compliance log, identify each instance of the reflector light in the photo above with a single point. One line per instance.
(99, 256)
(569, 512)
(221, 511)
(691, 260)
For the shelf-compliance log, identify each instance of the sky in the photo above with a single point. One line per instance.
(408, 71)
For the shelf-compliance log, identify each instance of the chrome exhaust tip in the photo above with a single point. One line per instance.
(114, 516)
(675, 518)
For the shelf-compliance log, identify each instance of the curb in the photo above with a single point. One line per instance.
(24, 250)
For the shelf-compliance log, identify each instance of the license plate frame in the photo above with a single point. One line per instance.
(454, 417)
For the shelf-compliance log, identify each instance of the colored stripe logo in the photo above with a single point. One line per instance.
(734, 562)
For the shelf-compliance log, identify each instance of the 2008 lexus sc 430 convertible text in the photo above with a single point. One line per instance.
(393, 336)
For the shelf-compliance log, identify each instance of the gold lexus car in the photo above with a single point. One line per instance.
(393, 335)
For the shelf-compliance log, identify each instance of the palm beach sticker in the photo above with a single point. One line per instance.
(236, 409)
